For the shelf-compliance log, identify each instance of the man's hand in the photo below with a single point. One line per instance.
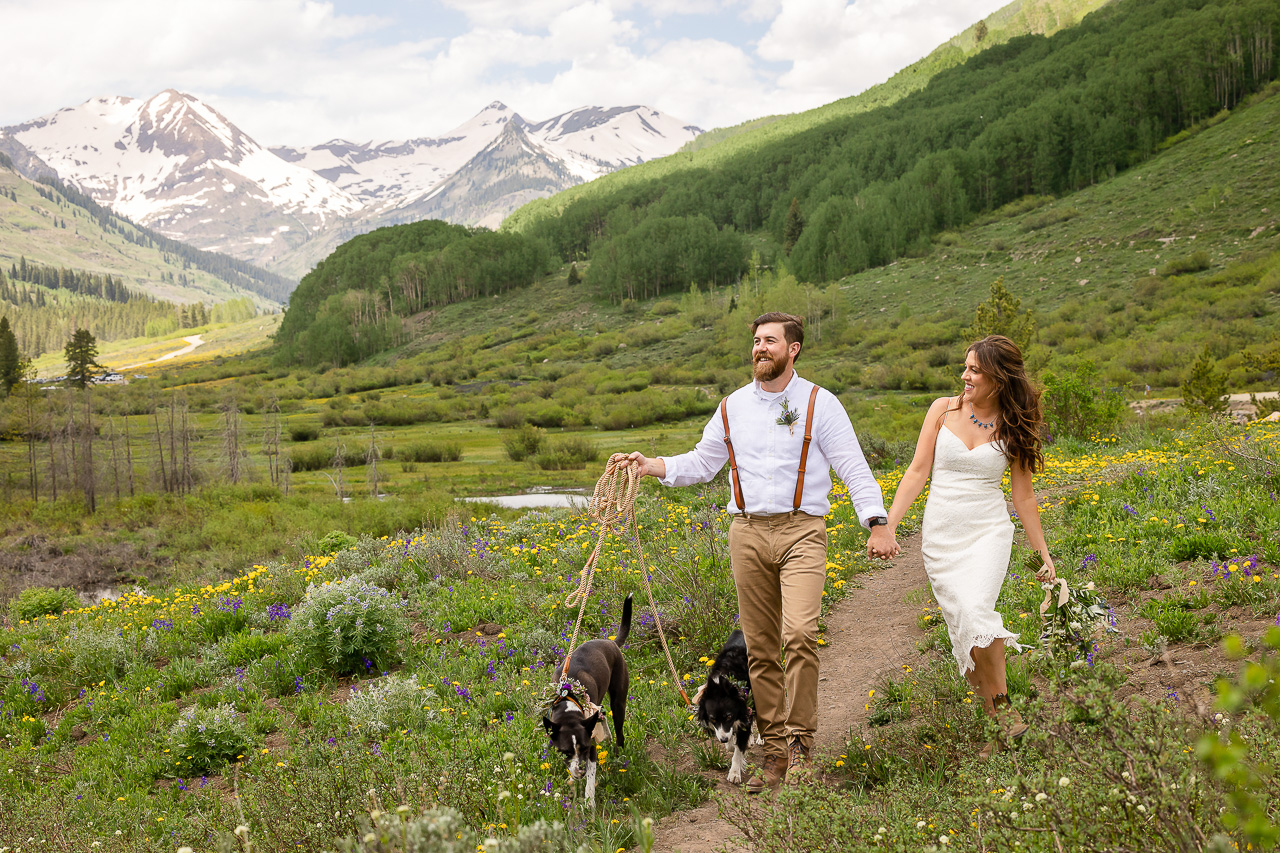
(648, 467)
(881, 543)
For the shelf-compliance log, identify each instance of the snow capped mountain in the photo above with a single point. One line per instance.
(511, 170)
(175, 164)
(386, 174)
(594, 141)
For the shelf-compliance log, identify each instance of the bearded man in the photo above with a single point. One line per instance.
(770, 432)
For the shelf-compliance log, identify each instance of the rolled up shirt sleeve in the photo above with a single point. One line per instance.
(840, 445)
(700, 464)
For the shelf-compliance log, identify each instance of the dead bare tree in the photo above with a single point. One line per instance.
(371, 459)
(231, 436)
(271, 440)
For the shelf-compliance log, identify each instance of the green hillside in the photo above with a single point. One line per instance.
(1035, 115)
(1019, 18)
(56, 226)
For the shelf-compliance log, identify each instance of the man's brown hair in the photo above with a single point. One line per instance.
(792, 327)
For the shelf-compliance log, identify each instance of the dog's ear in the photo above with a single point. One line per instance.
(590, 722)
(548, 725)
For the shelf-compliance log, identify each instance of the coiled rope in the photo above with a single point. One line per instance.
(613, 506)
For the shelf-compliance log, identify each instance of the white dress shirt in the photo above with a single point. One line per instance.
(768, 453)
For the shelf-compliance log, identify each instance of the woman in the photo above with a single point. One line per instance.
(968, 442)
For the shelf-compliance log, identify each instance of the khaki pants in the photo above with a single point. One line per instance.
(779, 567)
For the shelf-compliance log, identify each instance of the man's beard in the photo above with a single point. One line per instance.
(767, 369)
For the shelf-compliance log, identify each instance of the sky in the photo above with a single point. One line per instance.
(301, 72)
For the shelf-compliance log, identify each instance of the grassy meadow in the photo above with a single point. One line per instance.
(310, 739)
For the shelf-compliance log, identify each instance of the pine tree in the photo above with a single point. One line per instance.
(10, 358)
(793, 227)
(81, 353)
(1205, 390)
(1002, 314)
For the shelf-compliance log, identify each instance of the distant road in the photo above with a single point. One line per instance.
(192, 342)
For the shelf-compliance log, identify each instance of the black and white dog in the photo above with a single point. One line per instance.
(726, 708)
(596, 667)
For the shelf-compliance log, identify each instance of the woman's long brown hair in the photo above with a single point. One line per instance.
(1019, 420)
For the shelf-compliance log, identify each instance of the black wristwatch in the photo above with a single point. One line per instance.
(876, 521)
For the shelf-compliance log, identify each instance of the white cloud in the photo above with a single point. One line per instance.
(303, 71)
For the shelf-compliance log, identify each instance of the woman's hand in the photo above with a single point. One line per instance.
(1047, 573)
(882, 544)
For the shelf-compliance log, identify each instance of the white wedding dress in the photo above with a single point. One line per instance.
(967, 538)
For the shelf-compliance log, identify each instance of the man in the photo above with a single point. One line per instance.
(781, 436)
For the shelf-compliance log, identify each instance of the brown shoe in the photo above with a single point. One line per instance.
(1012, 725)
(992, 747)
(769, 775)
(799, 765)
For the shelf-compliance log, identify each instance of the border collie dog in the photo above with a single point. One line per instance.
(596, 667)
(726, 708)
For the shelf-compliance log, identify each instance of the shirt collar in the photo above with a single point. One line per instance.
(762, 394)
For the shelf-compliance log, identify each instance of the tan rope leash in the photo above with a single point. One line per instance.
(613, 503)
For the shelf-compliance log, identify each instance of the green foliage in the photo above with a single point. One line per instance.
(10, 358)
(1199, 546)
(36, 601)
(1075, 406)
(1195, 262)
(443, 830)
(354, 303)
(875, 186)
(303, 432)
(1205, 390)
(203, 740)
(571, 451)
(390, 702)
(663, 254)
(81, 354)
(335, 541)
(525, 442)
(1002, 314)
(431, 451)
(350, 626)
(1226, 752)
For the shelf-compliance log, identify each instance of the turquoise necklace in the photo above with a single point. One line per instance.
(973, 417)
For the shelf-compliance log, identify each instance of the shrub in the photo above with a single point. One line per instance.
(1205, 390)
(350, 626)
(1075, 405)
(566, 454)
(98, 652)
(319, 457)
(334, 541)
(40, 601)
(443, 830)
(304, 432)
(526, 442)
(393, 701)
(240, 649)
(1195, 262)
(432, 451)
(204, 739)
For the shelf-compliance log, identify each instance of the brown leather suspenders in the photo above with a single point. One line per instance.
(804, 452)
(733, 461)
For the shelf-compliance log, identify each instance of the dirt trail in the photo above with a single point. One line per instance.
(871, 632)
(193, 341)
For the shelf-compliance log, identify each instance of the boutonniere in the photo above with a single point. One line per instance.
(789, 417)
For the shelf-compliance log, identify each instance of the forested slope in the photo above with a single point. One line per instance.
(354, 303)
(1037, 115)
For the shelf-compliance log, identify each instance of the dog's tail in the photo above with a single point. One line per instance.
(625, 630)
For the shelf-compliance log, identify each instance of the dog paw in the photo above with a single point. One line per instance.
(735, 776)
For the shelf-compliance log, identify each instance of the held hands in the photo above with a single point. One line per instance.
(882, 544)
(645, 465)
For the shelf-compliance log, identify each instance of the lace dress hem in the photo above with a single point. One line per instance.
(965, 660)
